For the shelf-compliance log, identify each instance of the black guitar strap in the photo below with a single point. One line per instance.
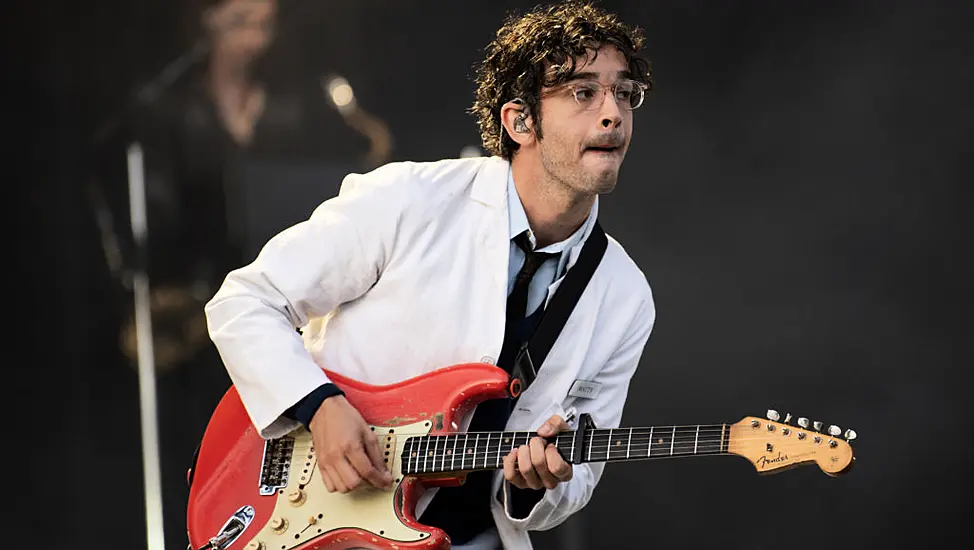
(533, 353)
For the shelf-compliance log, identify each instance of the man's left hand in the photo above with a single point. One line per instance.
(538, 464)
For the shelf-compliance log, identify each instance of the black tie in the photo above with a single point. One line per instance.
(464, 511)
(517, 302)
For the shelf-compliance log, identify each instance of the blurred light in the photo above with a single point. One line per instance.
(341, 94)
(471, 151)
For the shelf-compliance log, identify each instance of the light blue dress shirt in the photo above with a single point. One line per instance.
(550, 270)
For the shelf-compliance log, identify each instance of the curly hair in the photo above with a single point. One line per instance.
(540, 49)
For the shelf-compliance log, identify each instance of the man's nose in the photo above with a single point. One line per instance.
(611, 112)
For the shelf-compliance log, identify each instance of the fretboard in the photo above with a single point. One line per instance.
(486, 450)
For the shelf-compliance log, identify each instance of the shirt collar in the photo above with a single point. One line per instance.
(519, 221)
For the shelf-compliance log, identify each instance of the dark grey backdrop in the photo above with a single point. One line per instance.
(795, 192)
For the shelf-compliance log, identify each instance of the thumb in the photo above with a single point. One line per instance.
(554, 425)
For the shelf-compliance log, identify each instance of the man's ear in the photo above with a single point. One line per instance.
(517, 122)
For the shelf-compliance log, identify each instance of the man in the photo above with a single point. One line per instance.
(408, 269)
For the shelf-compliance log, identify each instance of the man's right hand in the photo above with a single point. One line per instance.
(347, 449)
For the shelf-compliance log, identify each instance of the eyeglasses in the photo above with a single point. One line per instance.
(629, 94)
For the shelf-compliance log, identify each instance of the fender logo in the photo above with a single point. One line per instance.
(764, 461)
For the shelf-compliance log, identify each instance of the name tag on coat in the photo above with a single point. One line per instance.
(585, 389)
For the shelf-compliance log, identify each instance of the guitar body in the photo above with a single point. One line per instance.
(272, 490)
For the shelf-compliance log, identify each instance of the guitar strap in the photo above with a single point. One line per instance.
(533, 352)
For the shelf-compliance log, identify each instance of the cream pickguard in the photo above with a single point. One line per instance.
(306, 510)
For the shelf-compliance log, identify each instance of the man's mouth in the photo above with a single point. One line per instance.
(602, 148)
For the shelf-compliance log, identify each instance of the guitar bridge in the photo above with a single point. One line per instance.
(275, 464)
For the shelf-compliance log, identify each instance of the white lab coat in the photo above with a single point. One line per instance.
(404, 272)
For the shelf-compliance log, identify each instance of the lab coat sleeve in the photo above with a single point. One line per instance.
(303, 272)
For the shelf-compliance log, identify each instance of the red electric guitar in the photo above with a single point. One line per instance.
(255, 494)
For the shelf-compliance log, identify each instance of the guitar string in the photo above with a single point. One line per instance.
(602, 431)
(600, 443)
(637, 438)
(705, 448)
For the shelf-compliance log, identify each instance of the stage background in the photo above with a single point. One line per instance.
(796, 192)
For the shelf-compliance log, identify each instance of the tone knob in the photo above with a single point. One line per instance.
(817, 425)
(834, 430)
(850, 434)
(803, 422)
(278, 524)
(773, 415)
(255, 545)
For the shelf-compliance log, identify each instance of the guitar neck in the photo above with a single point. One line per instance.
(465, 452)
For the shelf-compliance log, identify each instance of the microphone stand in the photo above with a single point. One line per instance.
(146, 355)
(138, 281)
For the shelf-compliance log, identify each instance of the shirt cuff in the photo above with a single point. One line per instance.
(522, 501)
(304, 410)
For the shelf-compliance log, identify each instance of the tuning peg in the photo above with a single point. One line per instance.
(773, 415)
(850, 434)
(803, 422)
(787, 418)
(817, 425)
(834, 430)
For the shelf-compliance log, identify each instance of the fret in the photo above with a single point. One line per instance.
(453, 453)
(408, 454)
(601, 443)
(426, 453)
(504, 446)
(443, 454)
(476, 444)
(672, 440)
(591, 441)
(486, 450)
(611, 444)
(629, 444)
(572, 458)
(649, 449)
(499, 457)
(466, 446)
(685, 440)
(417, 443)
(616, 449)
(509, 442)
(510, 438)
(419, 454)
(661, 445)
(436, 451)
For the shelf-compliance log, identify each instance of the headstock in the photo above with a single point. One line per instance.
(773, 446)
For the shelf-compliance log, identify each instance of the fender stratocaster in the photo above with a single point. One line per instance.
(248, 493)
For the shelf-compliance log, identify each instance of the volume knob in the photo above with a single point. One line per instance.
(297, 497)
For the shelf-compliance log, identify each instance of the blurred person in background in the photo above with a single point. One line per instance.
(236, 106)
